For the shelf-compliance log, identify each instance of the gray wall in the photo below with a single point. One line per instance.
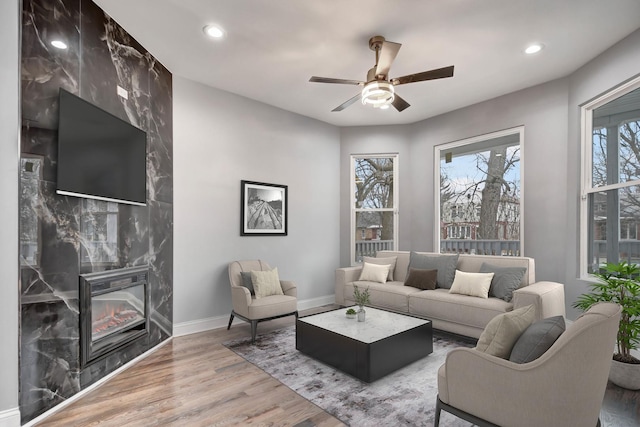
(617, 65)
(221, 139)
(551, 153)
(543, 112)
(9, 143)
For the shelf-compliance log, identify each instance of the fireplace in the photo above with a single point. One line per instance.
(113, 311)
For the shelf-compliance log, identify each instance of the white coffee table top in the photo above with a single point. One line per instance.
(379, 324)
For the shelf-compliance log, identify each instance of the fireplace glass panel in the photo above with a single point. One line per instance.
(117, 311)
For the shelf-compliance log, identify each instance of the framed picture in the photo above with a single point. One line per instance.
(263, 210)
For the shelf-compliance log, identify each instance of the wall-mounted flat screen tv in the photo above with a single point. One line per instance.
(100, 156)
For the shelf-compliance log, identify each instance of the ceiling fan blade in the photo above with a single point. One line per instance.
(399, 103)
(439, 73)
(388, 53)
(346, 103)
(338, 81)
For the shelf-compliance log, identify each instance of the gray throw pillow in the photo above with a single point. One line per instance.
(537, 339)
(422, 279)
(247, 282)
(445, 264)
(505, 280)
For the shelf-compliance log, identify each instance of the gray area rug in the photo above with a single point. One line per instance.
(406, 397)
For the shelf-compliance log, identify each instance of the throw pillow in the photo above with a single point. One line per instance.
(537, 339)
(383, 261)
(502, 332)
(505, 281)
(266, 283)
(246, 281)
(422, 279)
(472, 284)
(374, 272)
(445, 264)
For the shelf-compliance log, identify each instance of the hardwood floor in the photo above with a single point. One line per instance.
(195, 381)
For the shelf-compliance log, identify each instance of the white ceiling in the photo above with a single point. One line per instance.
(272, 47)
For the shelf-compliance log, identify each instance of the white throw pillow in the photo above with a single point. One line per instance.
(266, 283)
(374, 272)
(390, 261)
(472, 284)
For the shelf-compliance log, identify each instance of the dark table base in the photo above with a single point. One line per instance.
(367, 362)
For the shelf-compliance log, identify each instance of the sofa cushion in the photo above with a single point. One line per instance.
(422, 279)
(391, 261)
(505, 280)
(445, 264)
(390, 295)
(246, 281)
(472, 284)
(537, 339)
(440, 305)
(266, 283)
(502, 332)
(374, 272)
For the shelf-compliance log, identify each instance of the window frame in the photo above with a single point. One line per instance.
(352, 192)
(438, 149)
(586, 154)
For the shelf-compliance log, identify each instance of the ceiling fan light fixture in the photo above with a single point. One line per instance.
(378, 94)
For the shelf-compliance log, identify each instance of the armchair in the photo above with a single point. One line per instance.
(563, 387)
(254, 310)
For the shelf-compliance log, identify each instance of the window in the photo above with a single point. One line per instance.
(610, 199)
(374, 219)
(479, 194)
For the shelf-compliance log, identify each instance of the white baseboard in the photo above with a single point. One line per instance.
(10, 418)
(202, 325)
(93, 386)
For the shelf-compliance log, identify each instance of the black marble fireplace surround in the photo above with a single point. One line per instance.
(62, 238)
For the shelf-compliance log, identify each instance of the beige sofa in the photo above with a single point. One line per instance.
(456, 313)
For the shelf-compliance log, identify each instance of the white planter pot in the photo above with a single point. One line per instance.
(625, 375)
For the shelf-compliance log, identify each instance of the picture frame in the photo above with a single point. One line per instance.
(263, 209)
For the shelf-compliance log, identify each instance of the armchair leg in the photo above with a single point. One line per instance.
(254, 329)
(230, 321)
(436, 417)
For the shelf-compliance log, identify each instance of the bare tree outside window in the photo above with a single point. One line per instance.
(613, 199)
(373, 204)
(480, 193)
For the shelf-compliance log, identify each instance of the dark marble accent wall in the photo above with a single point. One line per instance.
(62, 237)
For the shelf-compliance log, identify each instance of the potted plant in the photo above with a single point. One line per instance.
(361, 298)
(619, 283)
(351, 313)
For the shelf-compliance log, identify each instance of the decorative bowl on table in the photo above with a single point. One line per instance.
(351, 313)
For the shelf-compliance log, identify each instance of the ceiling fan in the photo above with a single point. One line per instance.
(378, 90)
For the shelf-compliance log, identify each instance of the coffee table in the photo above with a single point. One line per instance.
(384, 342)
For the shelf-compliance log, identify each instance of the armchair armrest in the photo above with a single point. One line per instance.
(241, 299)
(289, 288)
(504, 382)
(546, 297)
(343, 276)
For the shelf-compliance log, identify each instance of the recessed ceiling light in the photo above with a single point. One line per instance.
(534, 48)
(58, 44)
(213, 31)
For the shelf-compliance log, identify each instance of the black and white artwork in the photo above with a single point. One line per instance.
(263, 209)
